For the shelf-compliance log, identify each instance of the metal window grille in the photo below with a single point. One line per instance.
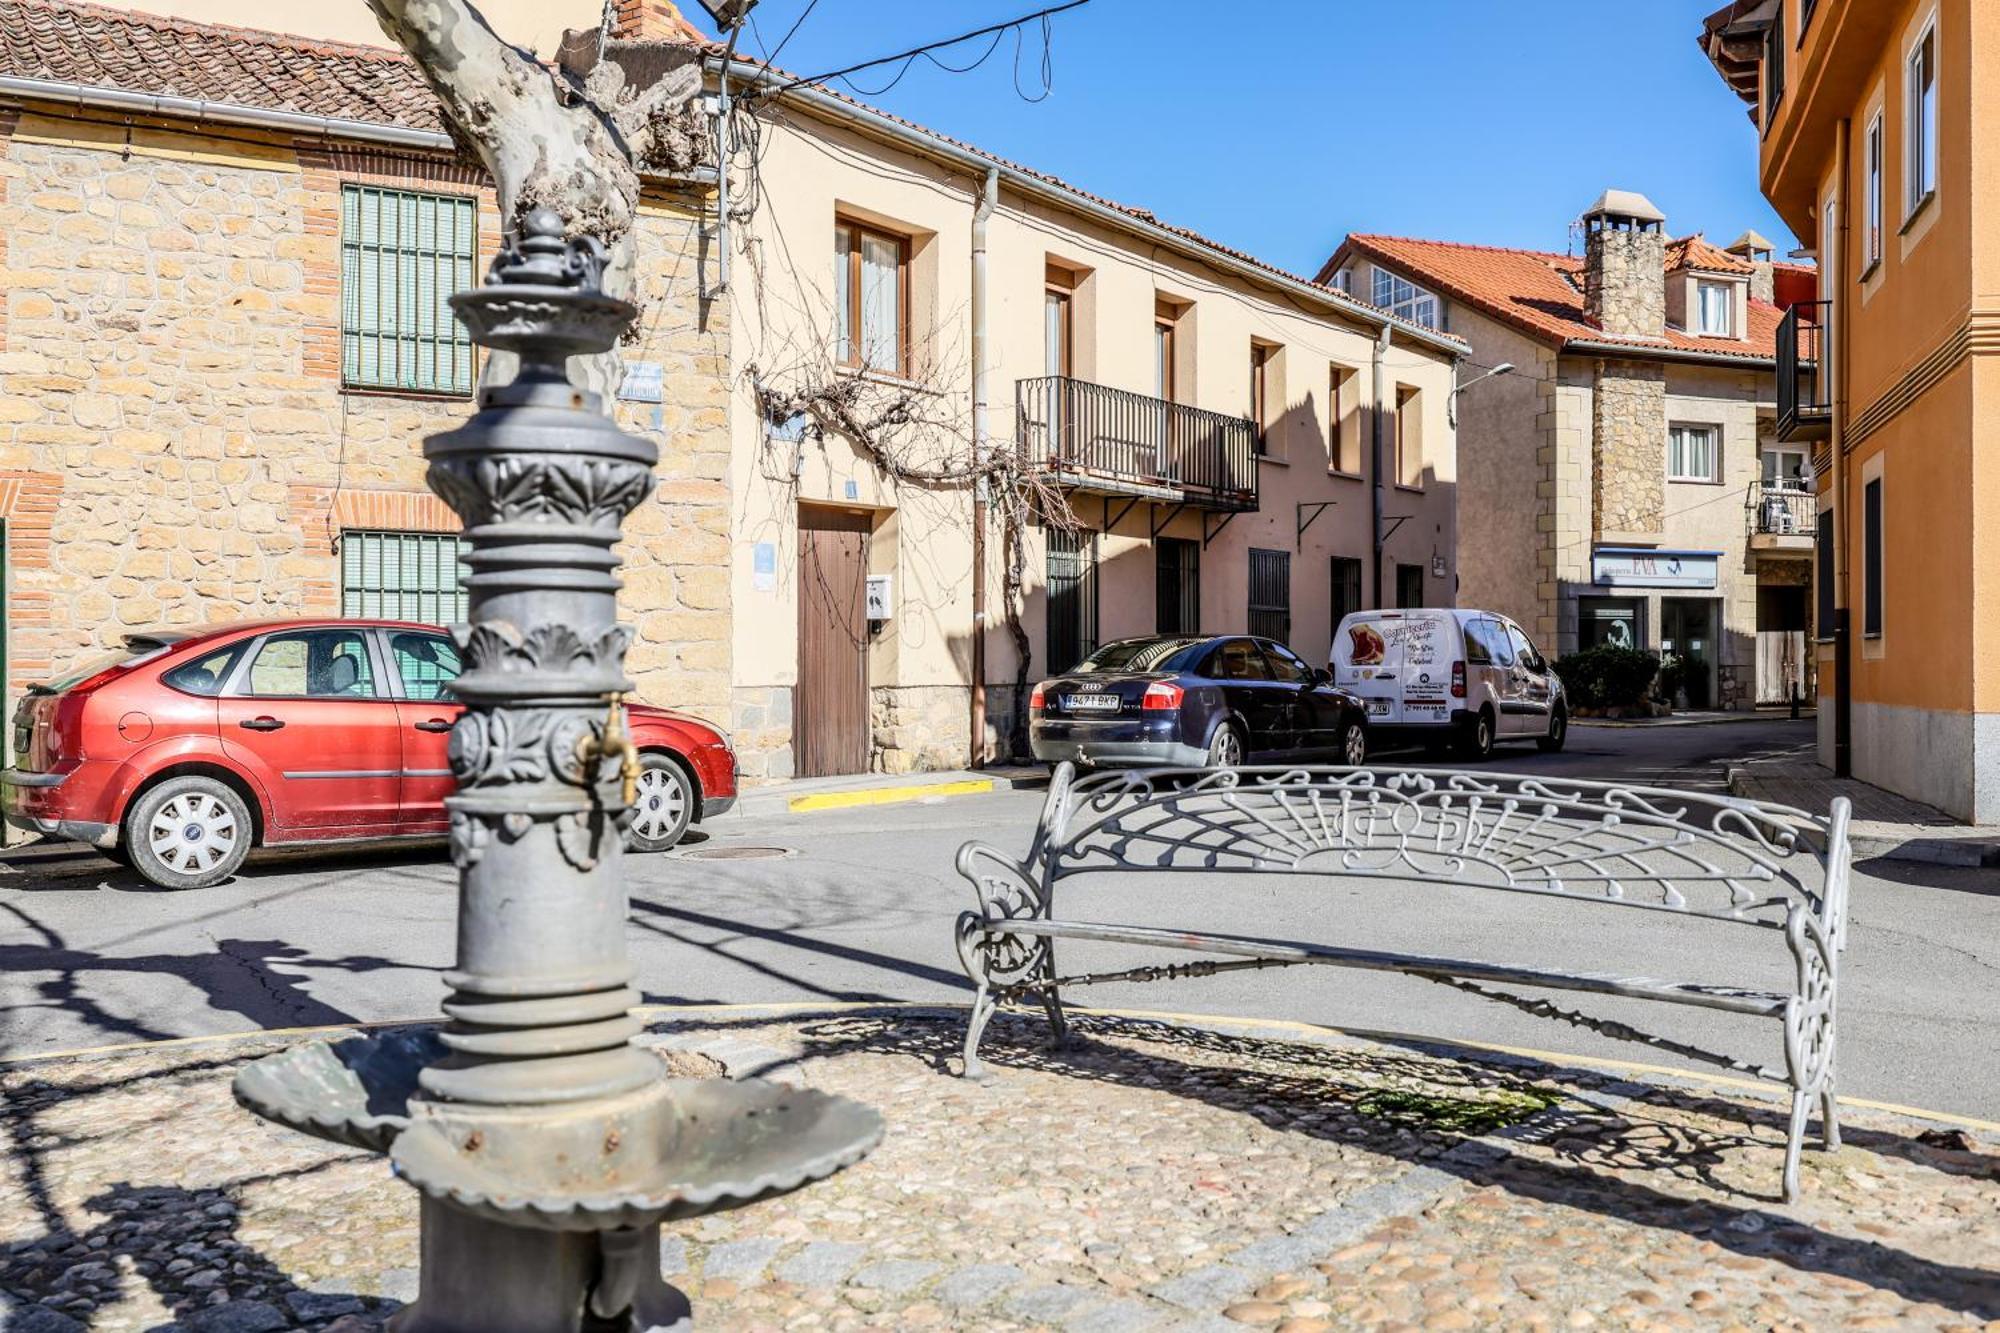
(1072, 574)
(403, 576)
(1409, 587)
(1177, 587)
(1346, 588)
(402, 254)
(1271, 595)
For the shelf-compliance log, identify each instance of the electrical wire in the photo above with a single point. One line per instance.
(906, 59)
(779, 49)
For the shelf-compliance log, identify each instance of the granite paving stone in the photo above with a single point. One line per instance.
(1150, 1175)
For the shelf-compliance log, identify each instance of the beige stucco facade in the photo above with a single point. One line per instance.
(919, 663)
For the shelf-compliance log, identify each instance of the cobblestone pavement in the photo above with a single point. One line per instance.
(1152, 1175)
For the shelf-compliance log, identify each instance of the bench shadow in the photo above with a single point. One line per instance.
(1597, 1127)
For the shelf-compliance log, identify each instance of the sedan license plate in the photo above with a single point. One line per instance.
(1378, 708)
(1091, 703)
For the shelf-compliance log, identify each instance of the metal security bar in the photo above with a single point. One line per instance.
(1072, 576)
(1096, 436)
(403, 576)
(401, 255)
(1781, 509)
(1805, 401)
(1271, 595)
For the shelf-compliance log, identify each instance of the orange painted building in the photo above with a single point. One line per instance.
(1880, 143)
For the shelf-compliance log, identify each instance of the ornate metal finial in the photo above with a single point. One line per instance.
(541, 256)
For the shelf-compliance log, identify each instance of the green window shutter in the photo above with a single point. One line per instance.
(403, 576)
(402, 255)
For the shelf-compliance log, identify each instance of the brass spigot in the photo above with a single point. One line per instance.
(615, 741)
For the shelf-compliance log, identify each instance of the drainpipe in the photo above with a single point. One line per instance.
(725, 148)
(982, 434)
(1830, 269)
(1375, 452)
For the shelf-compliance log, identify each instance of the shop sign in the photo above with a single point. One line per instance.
(1654, 569)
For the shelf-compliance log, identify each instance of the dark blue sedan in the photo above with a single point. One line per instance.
(1175, 700)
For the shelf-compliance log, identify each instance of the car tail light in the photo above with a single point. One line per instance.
(1161, 695)
(1458, 680)
(1035, 702)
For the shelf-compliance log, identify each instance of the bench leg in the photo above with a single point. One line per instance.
(983, 1005)
(1829, 1117)
(1795, 1140)
(1051, 999)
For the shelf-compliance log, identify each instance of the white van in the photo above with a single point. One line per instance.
(1445, 675)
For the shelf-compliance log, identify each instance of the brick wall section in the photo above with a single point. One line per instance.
(173, 316)
(9, 117)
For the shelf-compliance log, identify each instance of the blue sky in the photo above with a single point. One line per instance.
(1280, 127)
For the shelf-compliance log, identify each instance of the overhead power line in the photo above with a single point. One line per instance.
(906, 58)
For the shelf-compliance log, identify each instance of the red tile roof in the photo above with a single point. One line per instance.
(146, 53)
(1542, 293)
(70, 42)
(1695, 252)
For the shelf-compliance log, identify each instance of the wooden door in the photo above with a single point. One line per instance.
(830, 725)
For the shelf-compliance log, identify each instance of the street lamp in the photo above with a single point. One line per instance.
(1451, 400)
(546, 1145)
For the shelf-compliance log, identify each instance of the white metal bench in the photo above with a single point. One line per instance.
(1705, 857)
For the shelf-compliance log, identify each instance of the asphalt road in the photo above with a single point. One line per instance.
(858, 904)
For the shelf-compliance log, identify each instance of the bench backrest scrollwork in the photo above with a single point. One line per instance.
(1652, 848)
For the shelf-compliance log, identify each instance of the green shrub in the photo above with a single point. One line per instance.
(1607, 677)
(1673, 674)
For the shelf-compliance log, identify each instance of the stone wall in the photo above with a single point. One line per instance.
(1625, 282)
(175, 443)
(919, 728)
(1629, 434)
(760, 725)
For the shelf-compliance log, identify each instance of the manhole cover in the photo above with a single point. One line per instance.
(736, 853)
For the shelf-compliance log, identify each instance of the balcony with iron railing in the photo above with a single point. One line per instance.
(1805, 401)
(1090, 437)
(1781, 515)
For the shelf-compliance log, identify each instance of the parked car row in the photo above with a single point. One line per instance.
(180, 752)
(1442, 678)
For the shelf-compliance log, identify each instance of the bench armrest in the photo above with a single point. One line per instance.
(1003, 886)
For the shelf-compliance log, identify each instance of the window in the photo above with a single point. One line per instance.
(403, 576)
(1271, 595)
(1823, 577)
(313, 664)
(1163, 358)
(1524, 652)
(1346, 589)
(1343, 441)
(1785, 469)
(1806, 8)
(1920, 159)
(1715, 307)
(1405, 299)
(1177, 586)
(1261, 356)
(1612, 621)
(1239, 659)
(1072, 577)
(1774, 66)
(871, 299)
(1057, 334)
(207, 674)
(1871, 559)
(1486, 644)
(1692, 453)
(1872, 241)
(1286, 667)
(427, 663)
(1409, 438)
(402, 255)
(1409, 587)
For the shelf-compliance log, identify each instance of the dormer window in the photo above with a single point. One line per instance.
(1715, 309)
(1405, 300)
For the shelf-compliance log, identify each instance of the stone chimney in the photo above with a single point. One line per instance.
(651, 21)
(1625, 266)
(1757, 251)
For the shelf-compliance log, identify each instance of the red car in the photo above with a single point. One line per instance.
(189, 747)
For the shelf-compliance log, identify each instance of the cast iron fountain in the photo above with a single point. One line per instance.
(546, 1145)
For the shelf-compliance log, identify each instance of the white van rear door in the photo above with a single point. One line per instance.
(1430, 646)
(1368, 661)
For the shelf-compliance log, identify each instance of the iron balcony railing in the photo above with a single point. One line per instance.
(1805, 405)
(1783, 508)
(1099, 438)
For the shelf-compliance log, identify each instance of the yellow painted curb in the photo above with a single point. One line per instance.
(840, 800)
(1295, 1026)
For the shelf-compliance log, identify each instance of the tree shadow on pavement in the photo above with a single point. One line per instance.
(1596, 1128)
(179, 1242)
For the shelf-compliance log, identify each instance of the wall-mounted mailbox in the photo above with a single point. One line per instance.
(881, 597)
